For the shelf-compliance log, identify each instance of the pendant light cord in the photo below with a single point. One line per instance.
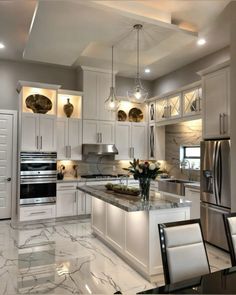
(138, 29)
(112, 60)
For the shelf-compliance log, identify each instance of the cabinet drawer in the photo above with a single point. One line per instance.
(37, 212)
(67, 186)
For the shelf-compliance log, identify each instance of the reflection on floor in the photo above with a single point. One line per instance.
(65, 258)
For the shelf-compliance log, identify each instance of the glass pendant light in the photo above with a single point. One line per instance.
(112, 103)
(138, 94)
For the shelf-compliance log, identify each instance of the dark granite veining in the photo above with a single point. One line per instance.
(133, 203)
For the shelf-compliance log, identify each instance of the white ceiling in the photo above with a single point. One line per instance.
(73, 33)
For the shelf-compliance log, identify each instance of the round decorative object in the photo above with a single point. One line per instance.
(135, 115)
(68, 108)
(38, 103)
(122, 115)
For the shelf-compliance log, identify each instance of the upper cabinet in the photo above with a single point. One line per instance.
(192, 101)
(168, 108)
(69, 129)
(38, 108)
(96, 88)
(95, 131)
(216, 107)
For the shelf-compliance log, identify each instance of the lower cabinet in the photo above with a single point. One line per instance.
(193, 195)
(71, 201)
(66, 203)
(28, 213)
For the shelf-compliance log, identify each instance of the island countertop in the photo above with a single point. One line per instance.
(135, 203)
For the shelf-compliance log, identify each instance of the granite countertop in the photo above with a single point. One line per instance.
(133, 203)
(80, 179)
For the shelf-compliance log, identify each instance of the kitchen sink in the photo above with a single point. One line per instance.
(173, 186)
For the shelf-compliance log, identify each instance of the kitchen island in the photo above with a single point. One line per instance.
(130, 226)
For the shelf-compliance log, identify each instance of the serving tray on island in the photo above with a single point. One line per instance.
(123, 189)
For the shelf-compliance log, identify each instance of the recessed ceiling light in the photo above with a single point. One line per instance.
(201, 41)
(2, 46)
(147, 70)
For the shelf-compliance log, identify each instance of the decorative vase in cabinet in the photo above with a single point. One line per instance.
(68, 108)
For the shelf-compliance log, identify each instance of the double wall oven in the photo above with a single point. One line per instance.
(38, 177)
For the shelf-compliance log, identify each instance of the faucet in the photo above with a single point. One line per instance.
(183, 165)
(124, 177)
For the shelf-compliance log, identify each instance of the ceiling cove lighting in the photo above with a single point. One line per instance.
(201, 41)
(2, 45)
(138, 94)
(147, 71)
(112, 103)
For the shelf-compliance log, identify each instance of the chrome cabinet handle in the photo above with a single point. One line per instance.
(41, 142)
(37, 142)
(75, 197)
(69, 151)
(220, 123)
(66, 150)
(100, 137)
(36, 213)
(224, 116)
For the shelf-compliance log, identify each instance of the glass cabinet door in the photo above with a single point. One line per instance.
(174, 106)
(151, 141)
(152, 112)
(162, 110)
(192, 101)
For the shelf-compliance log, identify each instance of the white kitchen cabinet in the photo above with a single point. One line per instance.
(66, 203)
(216, 108)
(38, 132)
(28, 213)
(69, 138)
(193, 195)
(98, 131)
(139, 140)
(71, 201)
(96, 88)
(123, 140)
(131, 140)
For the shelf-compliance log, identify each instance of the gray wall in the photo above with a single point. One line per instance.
(11, 72)
(187, 74)
(124, 84)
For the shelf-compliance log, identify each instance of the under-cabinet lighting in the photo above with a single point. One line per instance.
(147, 71)
(2, 46)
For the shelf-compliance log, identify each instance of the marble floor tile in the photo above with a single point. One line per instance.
(65, 258)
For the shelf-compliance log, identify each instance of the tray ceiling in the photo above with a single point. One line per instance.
(73, 33)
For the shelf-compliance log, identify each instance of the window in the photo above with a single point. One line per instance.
(190, 157)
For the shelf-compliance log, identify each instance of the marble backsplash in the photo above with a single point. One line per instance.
(185, 133)
(93, 165)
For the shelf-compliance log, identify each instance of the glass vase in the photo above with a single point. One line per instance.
(144, 185)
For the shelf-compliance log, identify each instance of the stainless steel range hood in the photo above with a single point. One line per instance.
(99, 149)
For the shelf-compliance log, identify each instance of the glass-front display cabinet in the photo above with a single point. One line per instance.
(192, 101)
(168, 108)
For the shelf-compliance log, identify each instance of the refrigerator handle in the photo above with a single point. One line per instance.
(219, 172)
(215, 170)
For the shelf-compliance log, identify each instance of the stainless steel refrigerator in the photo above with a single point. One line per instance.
(215, 190)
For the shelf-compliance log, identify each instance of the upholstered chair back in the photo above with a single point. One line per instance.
(183, 251)
(230, 229)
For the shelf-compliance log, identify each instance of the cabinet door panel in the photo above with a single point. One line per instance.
(107, 130)
(29, 132)
(215, 89)
(75, 138)
(62, 137)
(88, 204)
(66, 203)
(81, 205)
(103, 90)
(123, 140)
(139, 140)
(90, 104)
(90, 131)
(47, 130)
